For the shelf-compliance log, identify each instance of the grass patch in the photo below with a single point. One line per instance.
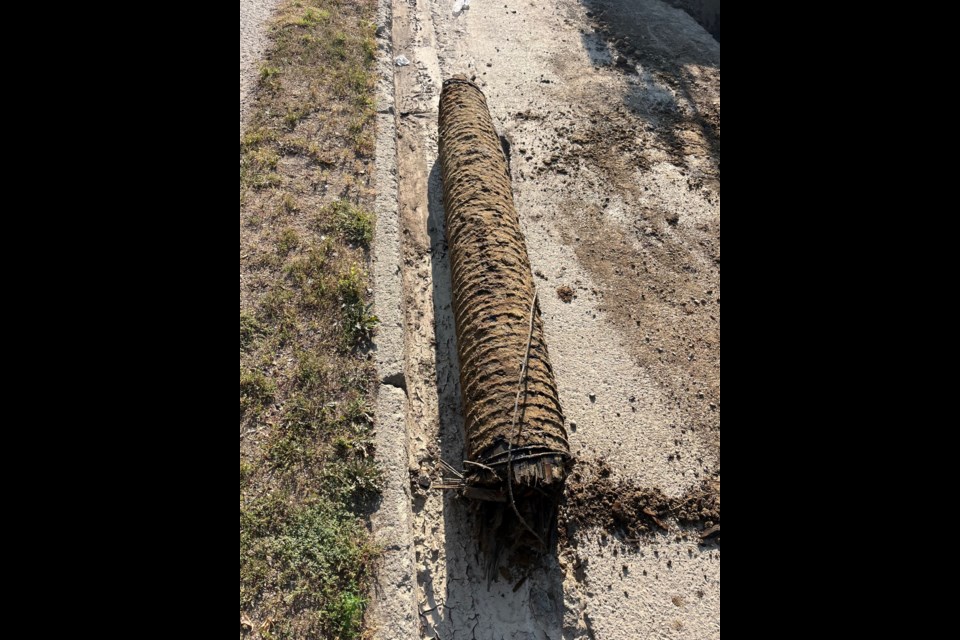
(288, 242)
(355, 223)
(358, 322)
(310, 552)
(256, 392)
(249, 330)
(313, 17)
(307, 467)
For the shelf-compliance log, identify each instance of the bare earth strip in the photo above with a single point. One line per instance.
(253, 18)
(611, 111)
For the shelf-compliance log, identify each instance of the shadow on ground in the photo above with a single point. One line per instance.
(672, 66)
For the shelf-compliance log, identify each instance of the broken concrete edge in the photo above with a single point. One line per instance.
(393, 612)
(386, 249)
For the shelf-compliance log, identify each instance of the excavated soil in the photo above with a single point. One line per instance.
(632, 513)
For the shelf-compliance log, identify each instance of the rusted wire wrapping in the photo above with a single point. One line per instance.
(493, 294)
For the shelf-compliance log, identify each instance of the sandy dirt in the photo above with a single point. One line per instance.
(611, 112)
(253, 18)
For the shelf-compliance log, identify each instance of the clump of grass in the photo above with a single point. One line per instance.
(313, 17)
(288, 242)
(294, 117)
(256, 392)
(268, 73)
(337, 48)
(310, 276)
(287, 206)
(289, 449)
(246, 472)
(258, 168)
(355, 223)
(359, 323)
(249, 330)
(255, 137)
(351, 285)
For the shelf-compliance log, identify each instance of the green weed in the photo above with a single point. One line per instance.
(353, 222)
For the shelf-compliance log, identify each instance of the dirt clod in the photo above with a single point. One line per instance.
(593, 499)
(566, 294)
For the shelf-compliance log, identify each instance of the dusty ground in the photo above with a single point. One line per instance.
(253, 17)
(611, 110)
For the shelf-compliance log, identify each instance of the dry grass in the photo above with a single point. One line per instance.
(307, 473)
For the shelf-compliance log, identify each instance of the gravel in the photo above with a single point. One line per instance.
(253, 18)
